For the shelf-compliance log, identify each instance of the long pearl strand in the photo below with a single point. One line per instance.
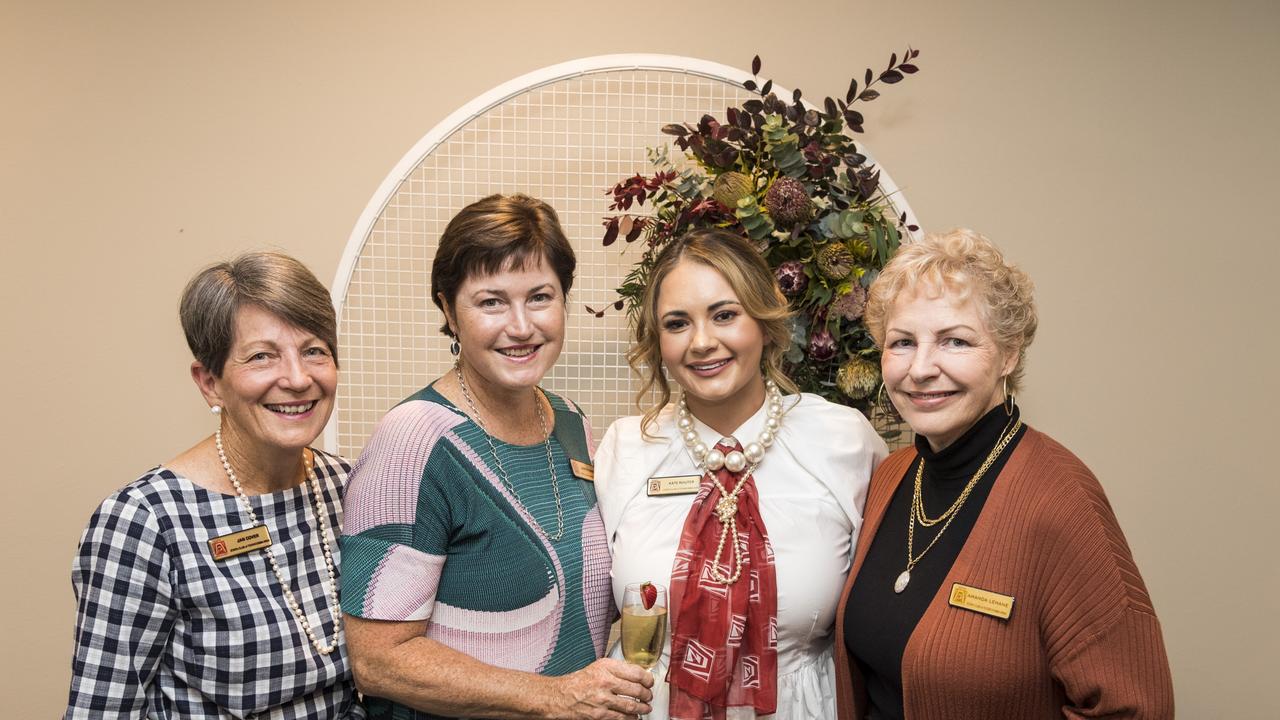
(710, 460)
(322, 518)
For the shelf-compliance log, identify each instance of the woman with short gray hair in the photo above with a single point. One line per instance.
(208, 587)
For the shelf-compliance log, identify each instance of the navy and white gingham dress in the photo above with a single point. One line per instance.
(165, 631)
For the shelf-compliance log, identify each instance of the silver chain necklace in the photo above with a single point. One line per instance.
(497, 459)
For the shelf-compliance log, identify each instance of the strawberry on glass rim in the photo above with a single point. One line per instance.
(648, 594)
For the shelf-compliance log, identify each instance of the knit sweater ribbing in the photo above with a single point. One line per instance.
(1083, 640)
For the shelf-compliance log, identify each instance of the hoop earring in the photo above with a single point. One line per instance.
(455, 348)
(1008, 399)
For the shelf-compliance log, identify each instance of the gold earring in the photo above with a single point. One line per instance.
(1008, 399)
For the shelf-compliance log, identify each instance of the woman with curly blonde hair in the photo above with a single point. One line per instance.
(992, 580)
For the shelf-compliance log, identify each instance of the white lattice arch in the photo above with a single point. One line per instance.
(565, 134)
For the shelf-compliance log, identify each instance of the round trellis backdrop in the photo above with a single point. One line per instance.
(564, 134)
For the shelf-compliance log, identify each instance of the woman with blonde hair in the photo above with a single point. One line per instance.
(746, 500)
(992, 580)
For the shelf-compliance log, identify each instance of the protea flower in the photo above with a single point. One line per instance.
(822, 346)
(788, 203)
(730, 187)
(852, 304)
(858, 378)
(835, 261)
(791, 278)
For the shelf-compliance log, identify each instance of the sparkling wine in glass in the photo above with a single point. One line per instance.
(644, 623)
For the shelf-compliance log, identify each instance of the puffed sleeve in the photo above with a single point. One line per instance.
(836, 445)
(124, 610)
(398, 520)
(620, 468)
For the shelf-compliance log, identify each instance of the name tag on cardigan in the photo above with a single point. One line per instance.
(674, 485)
(583, 471)
(981, 601)
(239, 543)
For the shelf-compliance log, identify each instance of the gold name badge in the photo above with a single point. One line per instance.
(674, 485)
(583, 471)
(239, 543)
(982, 601)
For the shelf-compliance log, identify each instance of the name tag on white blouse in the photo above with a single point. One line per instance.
(239, 543)
(674, 485)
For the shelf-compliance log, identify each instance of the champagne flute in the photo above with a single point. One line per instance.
(644, 623)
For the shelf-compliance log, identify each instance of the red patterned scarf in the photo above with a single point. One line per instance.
(724, 638)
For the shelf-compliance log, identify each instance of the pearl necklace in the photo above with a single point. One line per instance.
(321, 516)
(502, 471)
(709, 460)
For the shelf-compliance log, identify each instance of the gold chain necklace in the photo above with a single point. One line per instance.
(502, 471)
(917, 505)
(322, 520)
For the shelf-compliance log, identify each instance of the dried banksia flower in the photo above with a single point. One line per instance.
(791, 278)
(788, 203)
(835, 261)
(858, 378)
(731, 187)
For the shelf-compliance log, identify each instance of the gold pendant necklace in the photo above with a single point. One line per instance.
(917, 505)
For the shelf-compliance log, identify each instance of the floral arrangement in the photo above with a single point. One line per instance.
(791, 179)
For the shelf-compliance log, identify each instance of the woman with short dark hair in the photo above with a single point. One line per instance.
(208, 587)
(474, 555)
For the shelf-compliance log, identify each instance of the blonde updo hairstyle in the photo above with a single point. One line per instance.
(747, 273)
(967, 265)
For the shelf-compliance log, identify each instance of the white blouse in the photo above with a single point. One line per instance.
(812, 486)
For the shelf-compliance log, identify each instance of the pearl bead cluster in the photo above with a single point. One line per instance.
(711, 460)
(322, 519)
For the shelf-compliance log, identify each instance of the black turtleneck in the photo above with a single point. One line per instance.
(878, 622)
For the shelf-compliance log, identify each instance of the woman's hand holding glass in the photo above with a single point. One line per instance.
(607, 689)
(644, 623)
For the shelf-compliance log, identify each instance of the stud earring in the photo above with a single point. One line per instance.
(216, 410)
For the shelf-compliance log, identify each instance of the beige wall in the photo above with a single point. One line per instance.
(1121, 151)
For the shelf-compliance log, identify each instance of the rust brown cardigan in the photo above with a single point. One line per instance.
(1083, 640)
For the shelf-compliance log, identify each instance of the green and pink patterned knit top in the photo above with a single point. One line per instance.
(432, 533)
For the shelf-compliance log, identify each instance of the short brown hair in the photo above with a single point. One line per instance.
(273, 281)
(494, 234)
(746, 271)
(968, 264)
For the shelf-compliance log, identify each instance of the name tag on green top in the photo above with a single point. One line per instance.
(583, 471)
